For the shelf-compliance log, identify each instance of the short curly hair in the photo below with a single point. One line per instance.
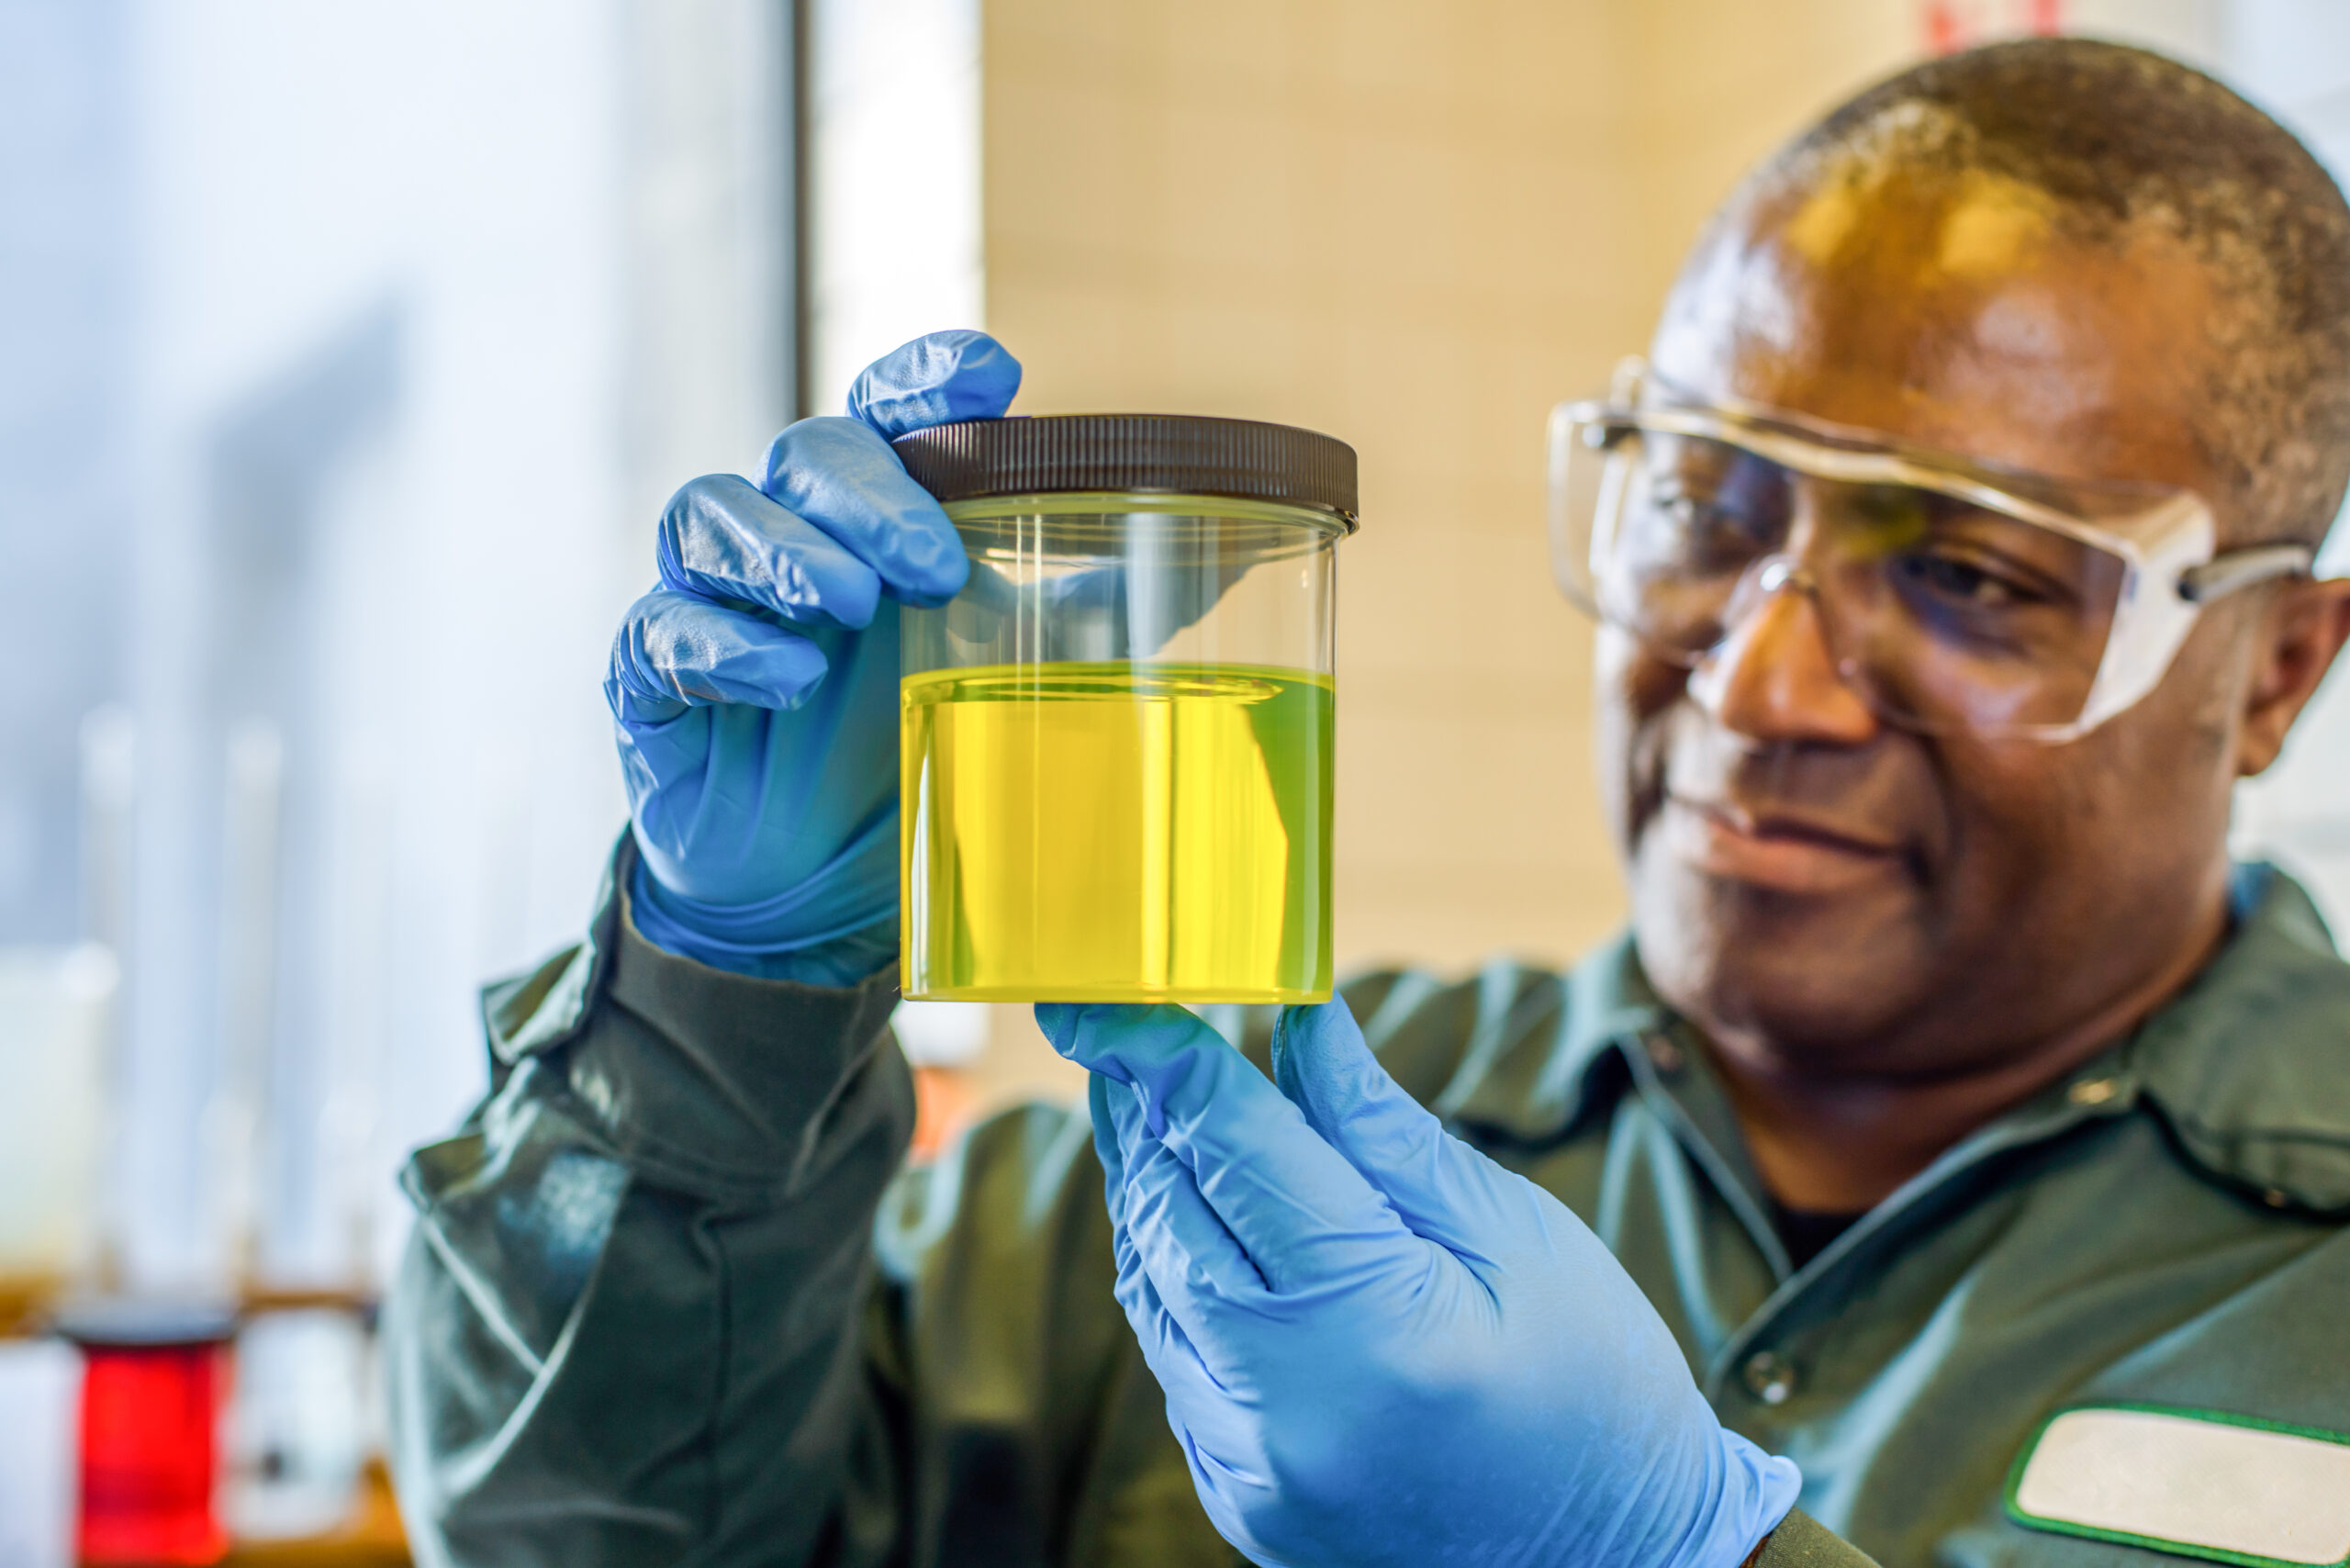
(2116, 138)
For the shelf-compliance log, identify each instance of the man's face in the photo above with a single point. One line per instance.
(1853, 897)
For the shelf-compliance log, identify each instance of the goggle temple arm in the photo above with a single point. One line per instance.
(2239, 569)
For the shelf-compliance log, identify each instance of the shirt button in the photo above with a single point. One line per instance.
(1663, 1054)
(1768, 1377)
(2092, 1090)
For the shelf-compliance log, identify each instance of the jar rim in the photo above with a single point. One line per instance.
(1068, 504)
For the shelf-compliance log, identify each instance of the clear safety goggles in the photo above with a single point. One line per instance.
(1953, 595)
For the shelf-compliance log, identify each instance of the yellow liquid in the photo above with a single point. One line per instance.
(1116, 832)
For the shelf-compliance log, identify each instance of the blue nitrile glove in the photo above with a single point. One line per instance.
(755, 689)
(1378, 1346)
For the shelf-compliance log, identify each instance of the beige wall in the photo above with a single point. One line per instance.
(1721, 84)
(1415, 224)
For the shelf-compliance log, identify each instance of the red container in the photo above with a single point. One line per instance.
(154, 1383)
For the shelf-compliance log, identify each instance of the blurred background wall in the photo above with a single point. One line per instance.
(1370, 220)
(429, 304)
(347, 353)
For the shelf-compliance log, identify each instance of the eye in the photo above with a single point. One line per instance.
(1976, 584)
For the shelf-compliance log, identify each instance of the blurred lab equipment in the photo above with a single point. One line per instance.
(942, 1041)
(300, 1425)
(40, 1382)
(155, 1385)
(56, 1007)
(1116, 748)
(56, 1016)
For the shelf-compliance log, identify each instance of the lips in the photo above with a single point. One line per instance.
(1778, 850)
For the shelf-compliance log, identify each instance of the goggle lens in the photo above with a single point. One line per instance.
(1944, 614)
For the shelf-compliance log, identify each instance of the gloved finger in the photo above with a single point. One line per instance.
(1160, 1194)
(1146, 1179)
(935, 380)
(1120, 1137)
(1177, 1261)
(722, 539)
(1162, 1339)
(1444, 1190)
(1146, 1314)
(1212, 1404)
(1098, 1091)
(1301, 1213)
(1199, 1271)
(1207, 1421)
(674, 651)
(840, 476)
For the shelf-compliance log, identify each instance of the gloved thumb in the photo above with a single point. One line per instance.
(1443, 1189)
(937, 379)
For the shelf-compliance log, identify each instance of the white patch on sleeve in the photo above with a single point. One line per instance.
(2191, 1482)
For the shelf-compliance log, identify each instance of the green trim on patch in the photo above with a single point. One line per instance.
(2123, 1537)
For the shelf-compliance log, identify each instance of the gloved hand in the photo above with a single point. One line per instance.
(755, 689)
(1378, 1346)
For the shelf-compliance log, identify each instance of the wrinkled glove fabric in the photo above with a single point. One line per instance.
(754, 690)
(1378, 1346)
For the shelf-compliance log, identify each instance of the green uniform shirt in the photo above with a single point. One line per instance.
(671, 1297)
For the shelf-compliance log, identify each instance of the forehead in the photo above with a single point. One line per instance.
(1960, 310)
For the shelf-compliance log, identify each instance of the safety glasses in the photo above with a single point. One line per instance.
(1953, 595)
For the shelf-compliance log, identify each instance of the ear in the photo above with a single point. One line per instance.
(2298, 636)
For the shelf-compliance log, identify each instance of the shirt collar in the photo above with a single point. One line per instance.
(2250, 1064)
(1532, 1080)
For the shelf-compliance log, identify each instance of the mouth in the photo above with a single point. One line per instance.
(1777, 851)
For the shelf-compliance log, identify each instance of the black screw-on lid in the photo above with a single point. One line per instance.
(1184, 455)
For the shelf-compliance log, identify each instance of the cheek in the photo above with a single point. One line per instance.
(2018, 812)
(1633, 695)
(2122, 809)
(2165, 770)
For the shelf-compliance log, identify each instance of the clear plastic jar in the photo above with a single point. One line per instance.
(1116, 749)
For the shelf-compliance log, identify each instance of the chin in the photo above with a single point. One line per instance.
(1819, 976)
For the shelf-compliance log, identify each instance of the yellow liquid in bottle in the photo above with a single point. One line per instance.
(1116, 832)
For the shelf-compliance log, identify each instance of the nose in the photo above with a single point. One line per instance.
(1773, 678)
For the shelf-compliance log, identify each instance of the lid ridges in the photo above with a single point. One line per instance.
(1177, 454)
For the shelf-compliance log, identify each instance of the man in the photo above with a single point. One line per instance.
(1951, 553)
